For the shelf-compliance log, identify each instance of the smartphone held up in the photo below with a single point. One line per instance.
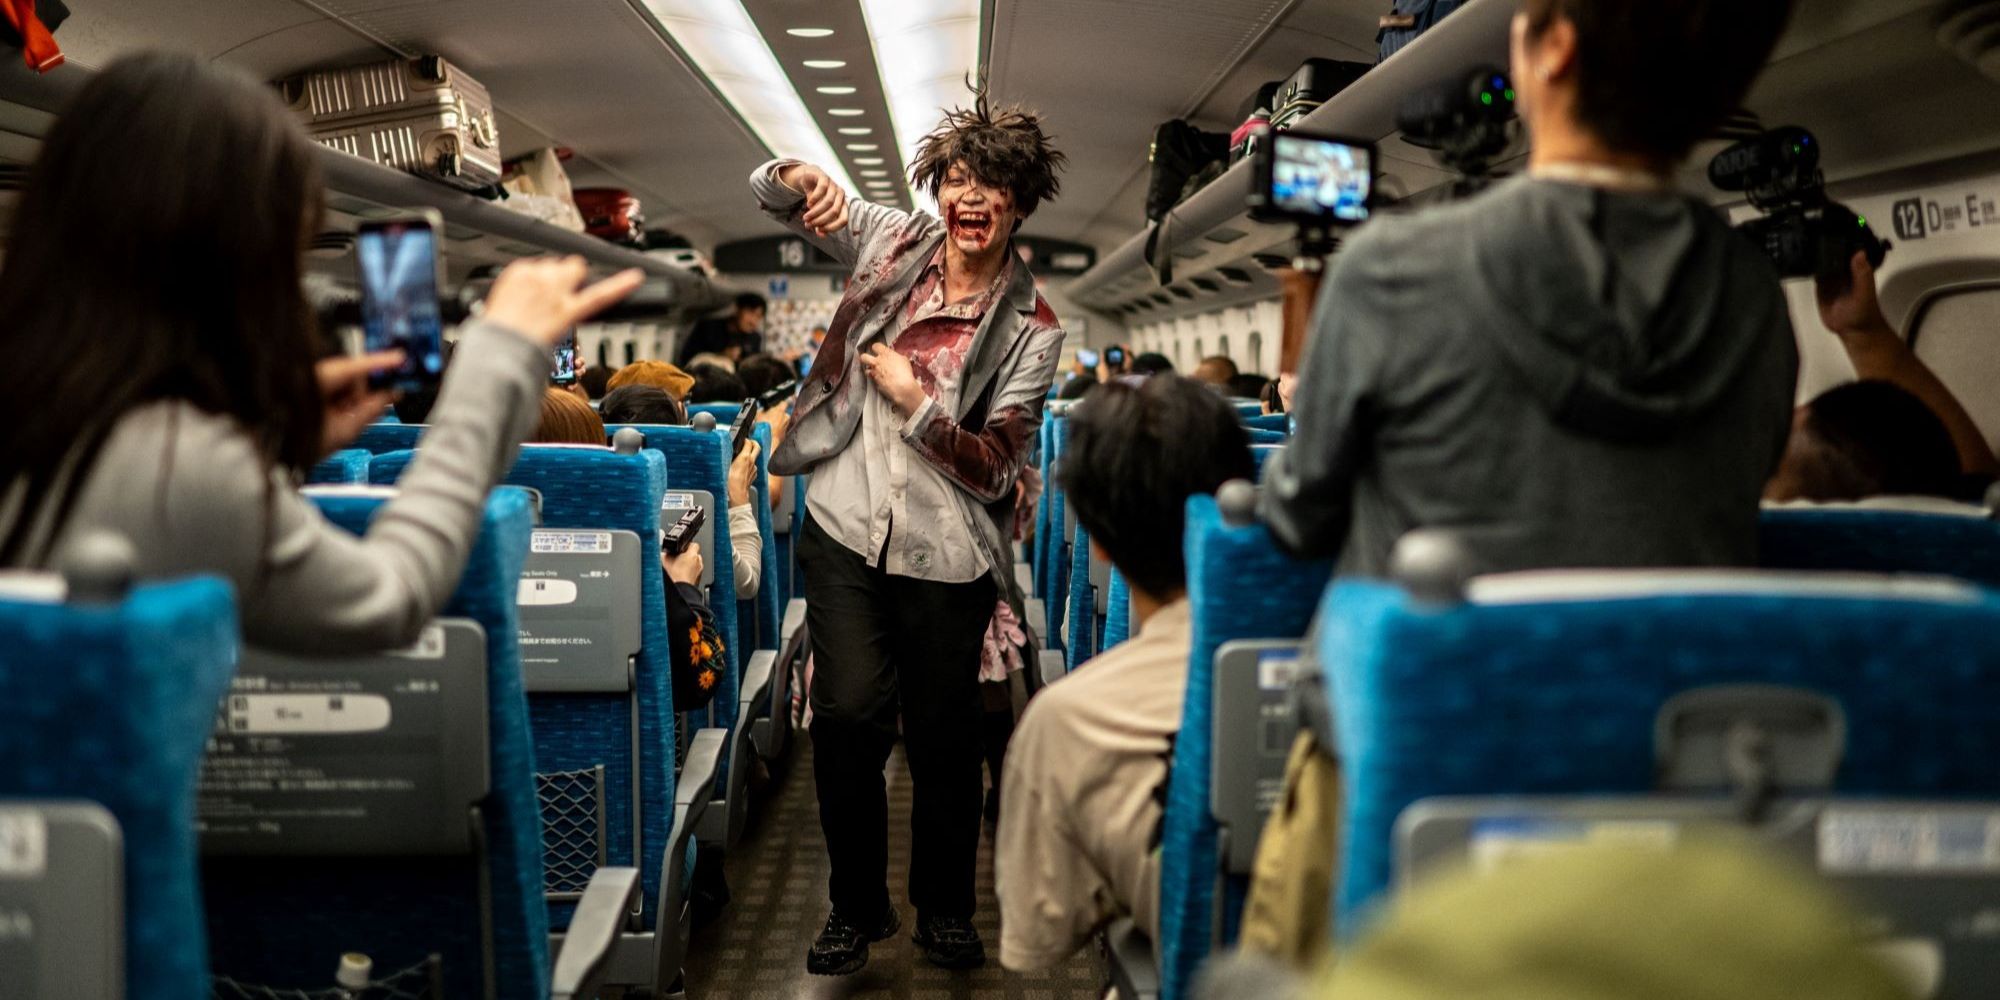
(400, 272)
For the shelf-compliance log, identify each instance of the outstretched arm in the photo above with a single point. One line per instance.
(804, 199)
(1853, 313)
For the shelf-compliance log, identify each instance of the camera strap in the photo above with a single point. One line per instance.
(1599, 175)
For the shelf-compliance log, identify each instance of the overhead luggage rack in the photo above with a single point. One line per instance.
(1212, 228)
(478, 232)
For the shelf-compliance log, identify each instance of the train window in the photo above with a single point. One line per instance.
(1955, 334)
(1198, 352)
(1256, 351)
(1222, 346)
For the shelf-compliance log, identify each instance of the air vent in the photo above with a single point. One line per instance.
(1226, 235)
(1205, 286)
(1235, 276)
(1273, 261)
(13, 177)
(1181, 293)
(1743, 124)
(1161, 299)
(332, 243)
(1968, 34)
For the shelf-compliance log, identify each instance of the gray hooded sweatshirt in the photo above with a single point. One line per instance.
(1559, 374)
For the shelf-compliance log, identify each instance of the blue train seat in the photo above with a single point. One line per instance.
(349, 466)
(107, 696)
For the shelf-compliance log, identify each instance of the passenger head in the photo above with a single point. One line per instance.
(641, 404)
(725, 360)
(1135, 455)
(658, 374)
(1866, 439)
(1648, 80)
(1151, 364)
(1248, 387)
(987, 162)
(715, 384)
(1216, 370)
(156, 254)
(1713, 919)
(750, 309)
(567, 420)
(596, 381)
(1076, 388)
(761, 373)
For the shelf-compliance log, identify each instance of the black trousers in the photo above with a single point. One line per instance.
(886, 646)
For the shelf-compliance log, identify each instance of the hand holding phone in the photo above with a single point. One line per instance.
(1086, 357)
(683, 532)
(746, 424)
(1114, 357)
(562, 368)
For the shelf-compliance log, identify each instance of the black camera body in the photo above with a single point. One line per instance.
(1805, 233)
(1465, 120)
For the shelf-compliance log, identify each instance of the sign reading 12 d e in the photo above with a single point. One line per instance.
(1917, 218)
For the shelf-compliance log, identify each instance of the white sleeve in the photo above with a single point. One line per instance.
(748, 545)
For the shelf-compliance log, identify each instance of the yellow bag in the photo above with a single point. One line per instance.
(1289, 913)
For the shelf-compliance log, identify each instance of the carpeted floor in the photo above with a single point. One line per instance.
(777, 875)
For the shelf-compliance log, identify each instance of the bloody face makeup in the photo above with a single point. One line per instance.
(978, 217)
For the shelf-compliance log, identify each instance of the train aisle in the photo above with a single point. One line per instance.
(756, 949)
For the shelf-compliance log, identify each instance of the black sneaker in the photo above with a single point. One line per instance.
(842, 947)
(949, 942)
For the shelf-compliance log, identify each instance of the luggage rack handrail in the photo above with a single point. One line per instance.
(497, 230)
(1475, 33)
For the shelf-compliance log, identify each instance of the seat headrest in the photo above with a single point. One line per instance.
(1548, 586)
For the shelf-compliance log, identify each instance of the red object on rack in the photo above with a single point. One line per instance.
(38, 47)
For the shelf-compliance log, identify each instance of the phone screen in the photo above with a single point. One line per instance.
(1086, 357)
(1114, 357)
(398, 261)
(1321, 178)
(563, 366)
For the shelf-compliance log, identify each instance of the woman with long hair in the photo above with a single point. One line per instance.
(156, 255)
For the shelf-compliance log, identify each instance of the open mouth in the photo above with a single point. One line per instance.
(974, 226)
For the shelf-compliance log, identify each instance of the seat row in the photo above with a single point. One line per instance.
(518, 783)
(1474, 717)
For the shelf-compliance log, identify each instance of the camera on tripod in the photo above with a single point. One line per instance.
(1805, 233)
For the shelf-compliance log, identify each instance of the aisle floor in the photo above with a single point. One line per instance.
(777, 876)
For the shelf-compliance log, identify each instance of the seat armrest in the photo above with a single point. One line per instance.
(754, 693)
(1054, 666)
(756, 685)
(608, 901)
(1038, 618)
(1135, 971)
(692, 795)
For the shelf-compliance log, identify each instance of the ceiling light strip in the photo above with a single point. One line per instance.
(725, 46)
(924, 54)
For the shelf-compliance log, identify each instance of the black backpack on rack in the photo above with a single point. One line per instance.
(1181, 153)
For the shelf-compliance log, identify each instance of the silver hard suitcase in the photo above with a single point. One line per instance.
(422, 115)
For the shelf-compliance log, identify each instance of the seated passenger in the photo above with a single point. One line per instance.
(1215, 370)
(643, 404)
(1899, 431)
(716, 384)
(1580, 366)
(594, 381)
(761, 373)
(1247, 386)
(658, 374)
(1086, 772)
(567, 419)
(184, 401)
(1076, 387)
(1151, 364)
(1867, 439)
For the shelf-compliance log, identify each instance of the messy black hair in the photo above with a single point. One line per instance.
(1003, 147)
